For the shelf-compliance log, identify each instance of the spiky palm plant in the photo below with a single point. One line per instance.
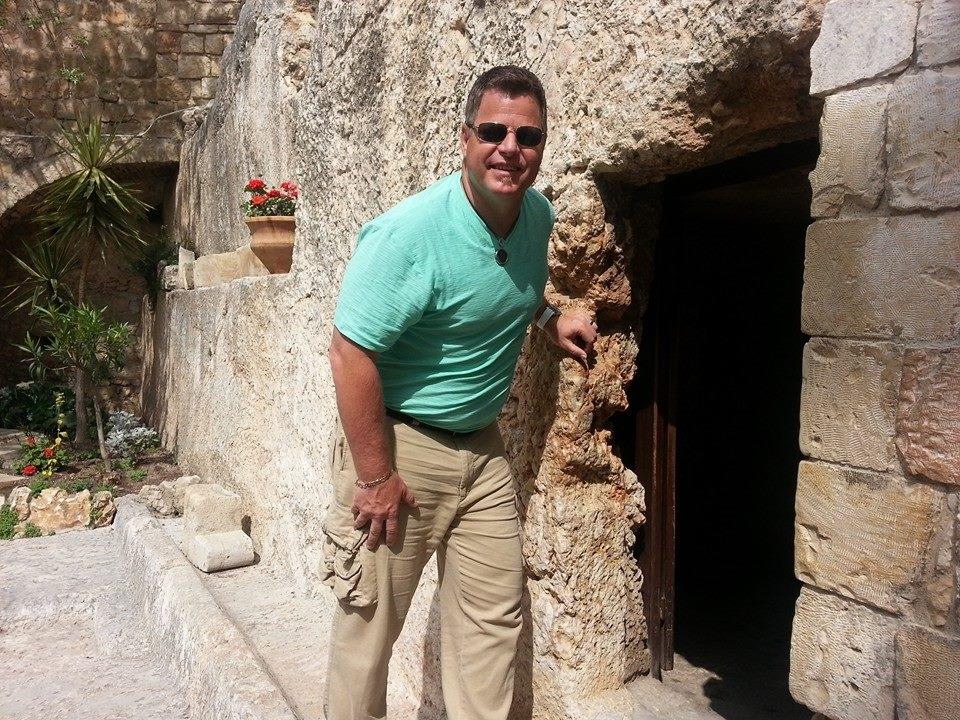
(47, 266)
(89, 210)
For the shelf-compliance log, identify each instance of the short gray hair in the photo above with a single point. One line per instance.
(512, 81)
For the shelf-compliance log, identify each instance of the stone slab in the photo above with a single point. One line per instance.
(895, 277)
(848, 402)
(927, 674)
(210, 508)
(220, 673)
(172, 491)
(861, 39)
(875, 538)
(218, 268)
(850, 169)
(923, 141)
(214, 552)
(8, 482)
(56, 510)
(928, 414)
(938, 32)
(842, 657)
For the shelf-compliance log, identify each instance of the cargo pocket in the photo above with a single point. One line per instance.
(349, 567)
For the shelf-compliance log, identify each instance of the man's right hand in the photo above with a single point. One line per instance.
(380, 506)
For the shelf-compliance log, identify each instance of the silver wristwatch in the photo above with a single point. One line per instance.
(548, 312)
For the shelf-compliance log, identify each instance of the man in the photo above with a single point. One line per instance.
(432, 314)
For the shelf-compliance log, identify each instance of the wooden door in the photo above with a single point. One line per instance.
(656, 450)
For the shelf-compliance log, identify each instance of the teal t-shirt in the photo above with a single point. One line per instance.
(423, 289)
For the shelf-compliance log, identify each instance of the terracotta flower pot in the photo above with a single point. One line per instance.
(271, 240)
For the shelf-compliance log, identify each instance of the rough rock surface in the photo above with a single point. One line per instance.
(842, 658)
(927, 682)
(102, 509)
(19, 500)
(928, 416)
(876, 538)
(635, 91)
(56, 510)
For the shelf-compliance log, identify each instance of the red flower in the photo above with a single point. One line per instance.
(258, 199)
(29, 469)
(291, 188)
(48, 452)
(255, 184)
(274, 193)
(31, 440)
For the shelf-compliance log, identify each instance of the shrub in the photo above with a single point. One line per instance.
(31, 531)
(40, 456)
(128, 436)
(32, 406)
(8, 518)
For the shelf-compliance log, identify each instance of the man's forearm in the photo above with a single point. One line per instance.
(360, 403)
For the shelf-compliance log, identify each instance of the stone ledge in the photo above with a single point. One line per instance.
(222, 677)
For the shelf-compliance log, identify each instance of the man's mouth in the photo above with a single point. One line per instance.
(505, 167)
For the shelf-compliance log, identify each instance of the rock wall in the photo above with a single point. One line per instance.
(877, 626)
(237, 375)
(140, 59)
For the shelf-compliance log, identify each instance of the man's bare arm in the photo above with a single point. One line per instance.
(360, 403)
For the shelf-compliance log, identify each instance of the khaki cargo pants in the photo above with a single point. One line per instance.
(467, 513)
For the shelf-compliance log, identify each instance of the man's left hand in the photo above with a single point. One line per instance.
(574, 334)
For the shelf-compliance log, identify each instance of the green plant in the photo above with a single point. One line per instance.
(79, 339)
(32, 406)
(109, 487)
(8, 518)
(31, 531)
(138, 474)
(38, 486)
(125, 463)
(91, 210)
(80, 485)
(280, 200)
(40, 455)
(47, 266)
(145, 260)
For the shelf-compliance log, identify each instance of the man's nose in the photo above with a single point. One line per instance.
(509, 144)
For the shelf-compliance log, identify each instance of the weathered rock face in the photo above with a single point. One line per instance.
(56, 510)
(635, 91)
(248, 128)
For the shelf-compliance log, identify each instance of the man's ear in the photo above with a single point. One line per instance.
(464, 137)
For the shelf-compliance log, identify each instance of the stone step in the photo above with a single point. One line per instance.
(8, 482)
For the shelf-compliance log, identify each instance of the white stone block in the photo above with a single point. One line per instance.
(842, 657)
(848, 402)
(210, 508)
(19, 500)
(861, 39)
(938, 32)
(923, 140)
(850, 169)
(219, 268)
(172, 491)
(212, 552)
(896, 277)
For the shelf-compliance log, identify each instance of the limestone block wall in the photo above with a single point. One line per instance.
(877, 630)
(145, 58)
(237, 375)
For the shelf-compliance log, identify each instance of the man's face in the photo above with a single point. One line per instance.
(505, 170)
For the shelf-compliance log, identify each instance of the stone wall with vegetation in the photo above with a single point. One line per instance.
(136, 59)
(877, 630)
(237, 376)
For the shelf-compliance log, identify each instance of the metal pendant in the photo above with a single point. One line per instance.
(501, 257)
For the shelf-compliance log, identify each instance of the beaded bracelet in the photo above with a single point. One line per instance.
(373, 483)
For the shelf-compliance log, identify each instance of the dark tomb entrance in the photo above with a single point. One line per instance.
(717, 400)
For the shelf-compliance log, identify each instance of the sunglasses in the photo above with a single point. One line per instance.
(528, 136)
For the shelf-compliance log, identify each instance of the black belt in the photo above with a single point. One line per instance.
(412, 421)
